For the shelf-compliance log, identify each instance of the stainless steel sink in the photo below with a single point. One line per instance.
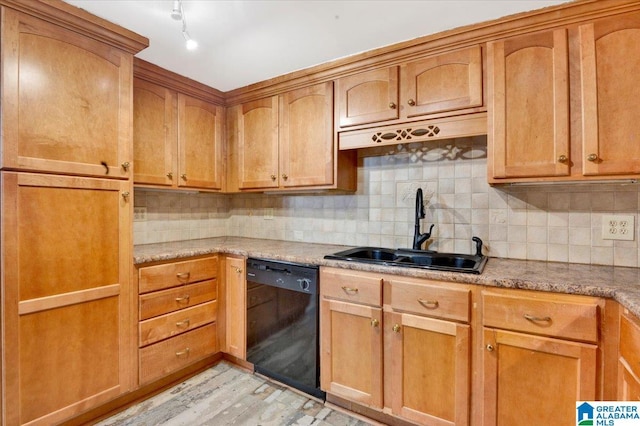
(454, 262)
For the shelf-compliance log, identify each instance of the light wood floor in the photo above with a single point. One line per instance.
(228, 395)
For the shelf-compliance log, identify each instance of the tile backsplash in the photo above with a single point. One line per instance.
(555, 222)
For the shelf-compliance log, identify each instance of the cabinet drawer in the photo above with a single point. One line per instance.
(630, 344)
(165, 357)
(159, 328)
(173, 274)
(354, 287)
(165, 301)
(433, 300)
(571, 317)
(260, 294)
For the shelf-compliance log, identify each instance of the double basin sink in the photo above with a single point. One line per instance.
(453, 262)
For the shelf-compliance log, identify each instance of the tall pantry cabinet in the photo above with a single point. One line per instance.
(66, 94)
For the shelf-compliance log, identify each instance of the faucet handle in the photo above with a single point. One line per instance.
(478, 242)
(428, 234)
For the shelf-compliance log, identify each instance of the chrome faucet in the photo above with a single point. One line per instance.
(418, 238)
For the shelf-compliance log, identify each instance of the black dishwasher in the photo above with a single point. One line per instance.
(282, 323)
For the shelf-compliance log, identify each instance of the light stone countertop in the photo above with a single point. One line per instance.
(619, 283)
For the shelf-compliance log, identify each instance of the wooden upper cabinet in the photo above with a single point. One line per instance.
(284, 141)
(154, 133)
(368, 97)
(200, 139)
(529, 105)
(427, 86)
(306, 136)
(66, 100)
(442, 83)
(610, 122)
(257, 134)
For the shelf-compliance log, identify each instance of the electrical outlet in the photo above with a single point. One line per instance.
(268, 214)
(139, 214)
(618, 227)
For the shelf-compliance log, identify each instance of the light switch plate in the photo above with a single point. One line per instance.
(618, 227)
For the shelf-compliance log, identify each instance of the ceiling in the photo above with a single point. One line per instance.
(246, 41)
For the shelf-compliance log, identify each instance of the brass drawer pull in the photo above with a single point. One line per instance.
(183, 299)
(183, 323)
(429, 304)
(375, 322)
(396, 328)
(183, 275)
(182, 353)
(348, 290)
(536, 319)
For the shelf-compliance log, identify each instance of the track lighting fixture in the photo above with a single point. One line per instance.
(178, 14)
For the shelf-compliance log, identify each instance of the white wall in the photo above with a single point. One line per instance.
(544, 222)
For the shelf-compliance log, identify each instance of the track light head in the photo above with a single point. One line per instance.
(176, 13)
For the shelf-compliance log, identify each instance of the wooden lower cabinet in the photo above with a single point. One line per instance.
(351, 335)
(539, 355)
(236, 307)
(430, 367)
(535, 377)
(178, 307)
(351, 345)
(629, 361)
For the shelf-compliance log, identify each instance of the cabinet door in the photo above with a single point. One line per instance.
(236, 289)
(66, 101)
(154, 134)
(442, 83)
(533, 377)
(430, 370)
(368, 97)
(306, 136)
(257, 133)
(529, 106)
(351, 351)
(66, 314)
(200, 138)
(628, 383)
(610, 123)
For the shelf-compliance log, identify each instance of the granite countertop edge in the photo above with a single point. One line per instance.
(619, 283)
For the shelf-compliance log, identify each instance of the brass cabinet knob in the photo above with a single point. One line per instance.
(170, 175)
(490, 347)
(284, 176)
(411, 102)
(273, 177)
(392, 105)
(238, 270)
(375, 322)
(563, 158)
(125, 195)
(396, 328)
(183, 176)
(592, 157)
(126, 166)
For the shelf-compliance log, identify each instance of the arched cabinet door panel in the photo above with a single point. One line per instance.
(66, 101)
